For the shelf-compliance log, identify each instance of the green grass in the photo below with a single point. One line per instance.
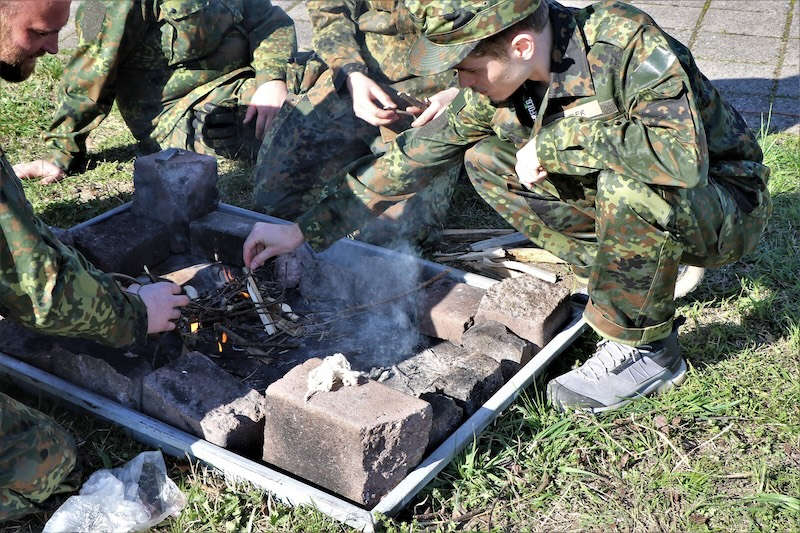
(721, 453)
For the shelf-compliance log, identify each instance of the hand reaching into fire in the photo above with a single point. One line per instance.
(268, 240)
(162, 301)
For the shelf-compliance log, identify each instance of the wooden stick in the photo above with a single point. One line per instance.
(494, 270)
(534, 255)
(471, 232)
(506, 240)
(471, 256)
(540, 273)
(266, 319)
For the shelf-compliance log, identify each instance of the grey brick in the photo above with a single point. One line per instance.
(531, 308)
(357, 441)
(447, 309)
(220, 236)
(175, 187)
(196, 395)
(123, 243)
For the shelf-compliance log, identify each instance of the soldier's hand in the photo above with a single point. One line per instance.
(528, 169)
(47, 171)
(162, 301)
(370, 102)
(265, 104)
(438, 105)
(217, 126)
(268, 240)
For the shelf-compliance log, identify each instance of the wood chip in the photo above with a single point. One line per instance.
(540, 273)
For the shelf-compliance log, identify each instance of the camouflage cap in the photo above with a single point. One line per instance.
(451, 29)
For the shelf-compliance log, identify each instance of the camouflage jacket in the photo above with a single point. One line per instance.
(369, 36)
(623, 96)
(148, 54)
(47, 286)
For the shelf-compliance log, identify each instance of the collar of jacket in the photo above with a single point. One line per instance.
(570, 75)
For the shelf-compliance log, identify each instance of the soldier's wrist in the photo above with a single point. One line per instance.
(342, 73)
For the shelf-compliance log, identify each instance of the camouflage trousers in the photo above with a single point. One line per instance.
(637, 234)
(176, 125)
(36, 455)
(314, 138)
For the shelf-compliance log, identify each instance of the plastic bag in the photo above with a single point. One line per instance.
(134, 497)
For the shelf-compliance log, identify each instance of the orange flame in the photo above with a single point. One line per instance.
(244, 294)
(219, 346)
(224, 338)
(194, 326)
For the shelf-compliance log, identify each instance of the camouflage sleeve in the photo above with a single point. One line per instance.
(86, 92)
(335, 37)
(272, 39)
(52, 288)
(370, 186)
(658, 136)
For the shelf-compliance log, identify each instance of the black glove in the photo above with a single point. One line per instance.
(218, 127)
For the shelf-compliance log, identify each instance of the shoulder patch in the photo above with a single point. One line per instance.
(459, 102)
(90, 19)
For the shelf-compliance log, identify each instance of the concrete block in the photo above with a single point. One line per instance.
(175, 187)
(63, 235)
(123, 243)
(493, 339)
(745, 48)
(290, 268)
(447, 416)
(113, 373)
(196, 395)
(467, 378)
(220, 236)
(768, 23)
(358, 441)
(529, 307)
(738, 78)
(122, 385)
(446, 309)
(26, 345)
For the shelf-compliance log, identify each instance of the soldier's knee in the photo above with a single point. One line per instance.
(36, 454)
(622, 198)
(490, 159)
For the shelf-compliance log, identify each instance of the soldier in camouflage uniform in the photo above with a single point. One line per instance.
(601, 122)
(346, 114)
(184, 73)
(52, 288)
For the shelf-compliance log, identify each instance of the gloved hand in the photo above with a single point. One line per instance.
(217, 127)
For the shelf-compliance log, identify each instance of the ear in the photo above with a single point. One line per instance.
(522, 46)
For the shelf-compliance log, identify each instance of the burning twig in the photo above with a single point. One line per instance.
(255, 295)
(223, 322)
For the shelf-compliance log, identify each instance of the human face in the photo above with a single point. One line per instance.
(28, 30)
(492, 76)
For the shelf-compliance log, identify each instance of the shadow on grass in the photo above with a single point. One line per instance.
(768, 288)
(67, 213)
(115, 154)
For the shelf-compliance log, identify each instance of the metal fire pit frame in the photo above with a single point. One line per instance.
(288, 489)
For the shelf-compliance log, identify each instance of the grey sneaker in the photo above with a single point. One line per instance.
(689, 278)
(617, 374)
